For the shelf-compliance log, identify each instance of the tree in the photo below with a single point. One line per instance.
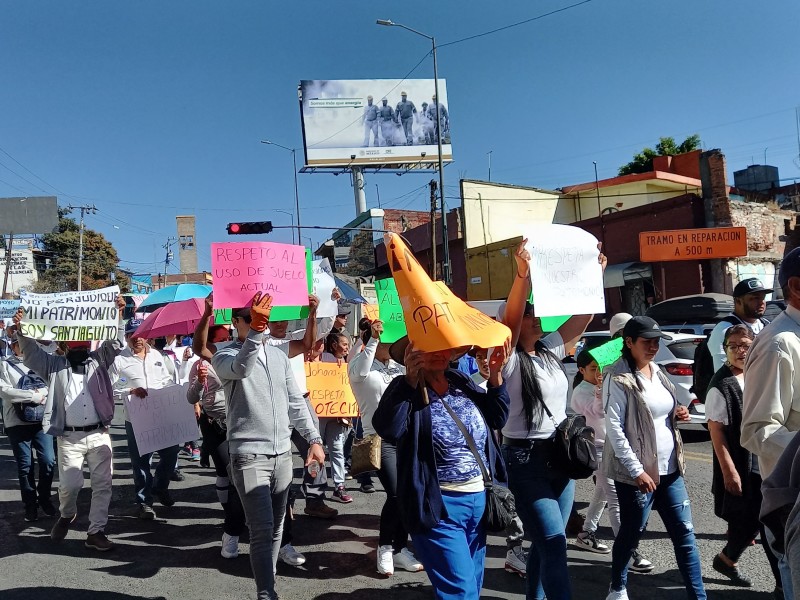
(643, 161)
(362, 255)
(100, 259)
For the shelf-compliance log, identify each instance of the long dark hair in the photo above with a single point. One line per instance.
(532, 399)
(627, 356)
(583, 360)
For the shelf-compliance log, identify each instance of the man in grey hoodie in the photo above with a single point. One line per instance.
(263, 403)
(79, 409)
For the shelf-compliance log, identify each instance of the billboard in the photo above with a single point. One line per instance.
(369, 121)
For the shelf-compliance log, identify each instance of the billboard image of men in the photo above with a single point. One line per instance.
(405, 113)
(370, 120)
(386, 114)
(426, 124)
(444, 120)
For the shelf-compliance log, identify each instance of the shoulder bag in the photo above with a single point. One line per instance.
(365, 455)
(500, 507)
(574, 453)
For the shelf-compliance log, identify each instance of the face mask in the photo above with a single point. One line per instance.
(76, 358)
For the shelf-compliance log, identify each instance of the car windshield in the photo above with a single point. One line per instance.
(684, 349)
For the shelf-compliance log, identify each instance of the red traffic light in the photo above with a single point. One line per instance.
(249, 227)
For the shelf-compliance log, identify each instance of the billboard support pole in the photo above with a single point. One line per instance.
(8, 261)
(358, 190)
(433, 230)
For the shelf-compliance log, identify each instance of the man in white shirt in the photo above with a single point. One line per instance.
(749, 305)
(771, 403)
(137, 369)
(79, 409)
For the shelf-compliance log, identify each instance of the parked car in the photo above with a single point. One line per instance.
(675, 357)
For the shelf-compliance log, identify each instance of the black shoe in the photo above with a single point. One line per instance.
(177, 476)
(61, 528)
(367, 488)
(164, 497)
(47, 507)
(31, 513)
(732, 573)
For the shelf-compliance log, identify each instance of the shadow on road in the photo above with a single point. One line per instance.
(52, 593)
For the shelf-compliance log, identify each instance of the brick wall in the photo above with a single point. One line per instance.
(393, 219)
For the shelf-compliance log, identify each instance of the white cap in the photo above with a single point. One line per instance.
(617, 322)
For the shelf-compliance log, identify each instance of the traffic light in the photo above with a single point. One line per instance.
(249, 227)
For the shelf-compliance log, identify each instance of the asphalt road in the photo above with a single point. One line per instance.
(177, 556)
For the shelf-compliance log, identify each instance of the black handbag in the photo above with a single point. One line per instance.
(574, 452)
(500, 507)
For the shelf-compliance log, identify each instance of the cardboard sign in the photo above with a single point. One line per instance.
(371, 311)
(241, 269)
(692, 244)
(566, 277)
(607, 354)
(71, 316)
(436, 318)
(163, 419)
(222, 316)
(390, 311)
(323, 285)
(8, 308)
(329, 390)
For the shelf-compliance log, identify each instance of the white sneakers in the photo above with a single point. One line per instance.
(617, 594)
(517, 561)
(291, 556)
(385, 560)
(388, 561)
(230, 546)
(407, 561)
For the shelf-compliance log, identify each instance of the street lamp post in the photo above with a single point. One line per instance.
(291, 216)
(296, 195)
(445, 244)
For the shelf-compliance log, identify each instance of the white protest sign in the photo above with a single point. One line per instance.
(71, 316)
(8, 308)
(566, 277)
(162, 419)
(323, 288)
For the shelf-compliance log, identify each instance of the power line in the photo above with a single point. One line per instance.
(517, 24)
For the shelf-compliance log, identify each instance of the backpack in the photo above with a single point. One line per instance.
(703, 369)
(29, 412)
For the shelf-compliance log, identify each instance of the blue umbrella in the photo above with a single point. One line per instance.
(173, 293)
(349, 293)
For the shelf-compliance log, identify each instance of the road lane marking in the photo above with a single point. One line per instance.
(699, 457)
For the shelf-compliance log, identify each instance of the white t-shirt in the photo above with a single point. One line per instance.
(716, 407)
(660, 402)
(554, 386)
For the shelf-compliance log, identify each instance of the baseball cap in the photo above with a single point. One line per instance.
(749, 286)
(790, 267)
(643, 327)
(344, 308)
(132, 325)
(618, 321)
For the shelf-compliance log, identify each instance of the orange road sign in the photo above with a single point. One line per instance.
(692, 244)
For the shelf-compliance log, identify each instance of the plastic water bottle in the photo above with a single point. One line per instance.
(313, 468)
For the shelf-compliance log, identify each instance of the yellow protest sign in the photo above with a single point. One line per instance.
(329, 390)
(435, 317)
(370, 311)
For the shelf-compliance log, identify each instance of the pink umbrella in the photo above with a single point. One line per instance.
(176, 318)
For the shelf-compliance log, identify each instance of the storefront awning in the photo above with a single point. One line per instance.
(617, 275)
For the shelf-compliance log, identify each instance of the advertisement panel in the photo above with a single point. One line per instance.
(373, 121)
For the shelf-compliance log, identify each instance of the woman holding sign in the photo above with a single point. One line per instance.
(441, 492)
(536, 378)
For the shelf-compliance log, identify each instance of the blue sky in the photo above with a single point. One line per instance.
(153, 109)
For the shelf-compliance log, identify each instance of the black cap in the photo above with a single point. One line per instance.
(752, 285)
(790, 267)
(344, 308)
(643, 327)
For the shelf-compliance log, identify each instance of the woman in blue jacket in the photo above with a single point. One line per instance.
(441, 493)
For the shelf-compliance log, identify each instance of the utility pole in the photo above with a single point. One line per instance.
(432, 184)
(84, 208)
(8, 261)
(168, 257)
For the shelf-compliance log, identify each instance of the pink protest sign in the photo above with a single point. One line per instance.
(241, 269)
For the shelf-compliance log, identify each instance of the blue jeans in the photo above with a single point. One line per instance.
(544, 500)
(454, 551)
(262, 483)
(672, 503)
(143, 479)
(24, 440)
